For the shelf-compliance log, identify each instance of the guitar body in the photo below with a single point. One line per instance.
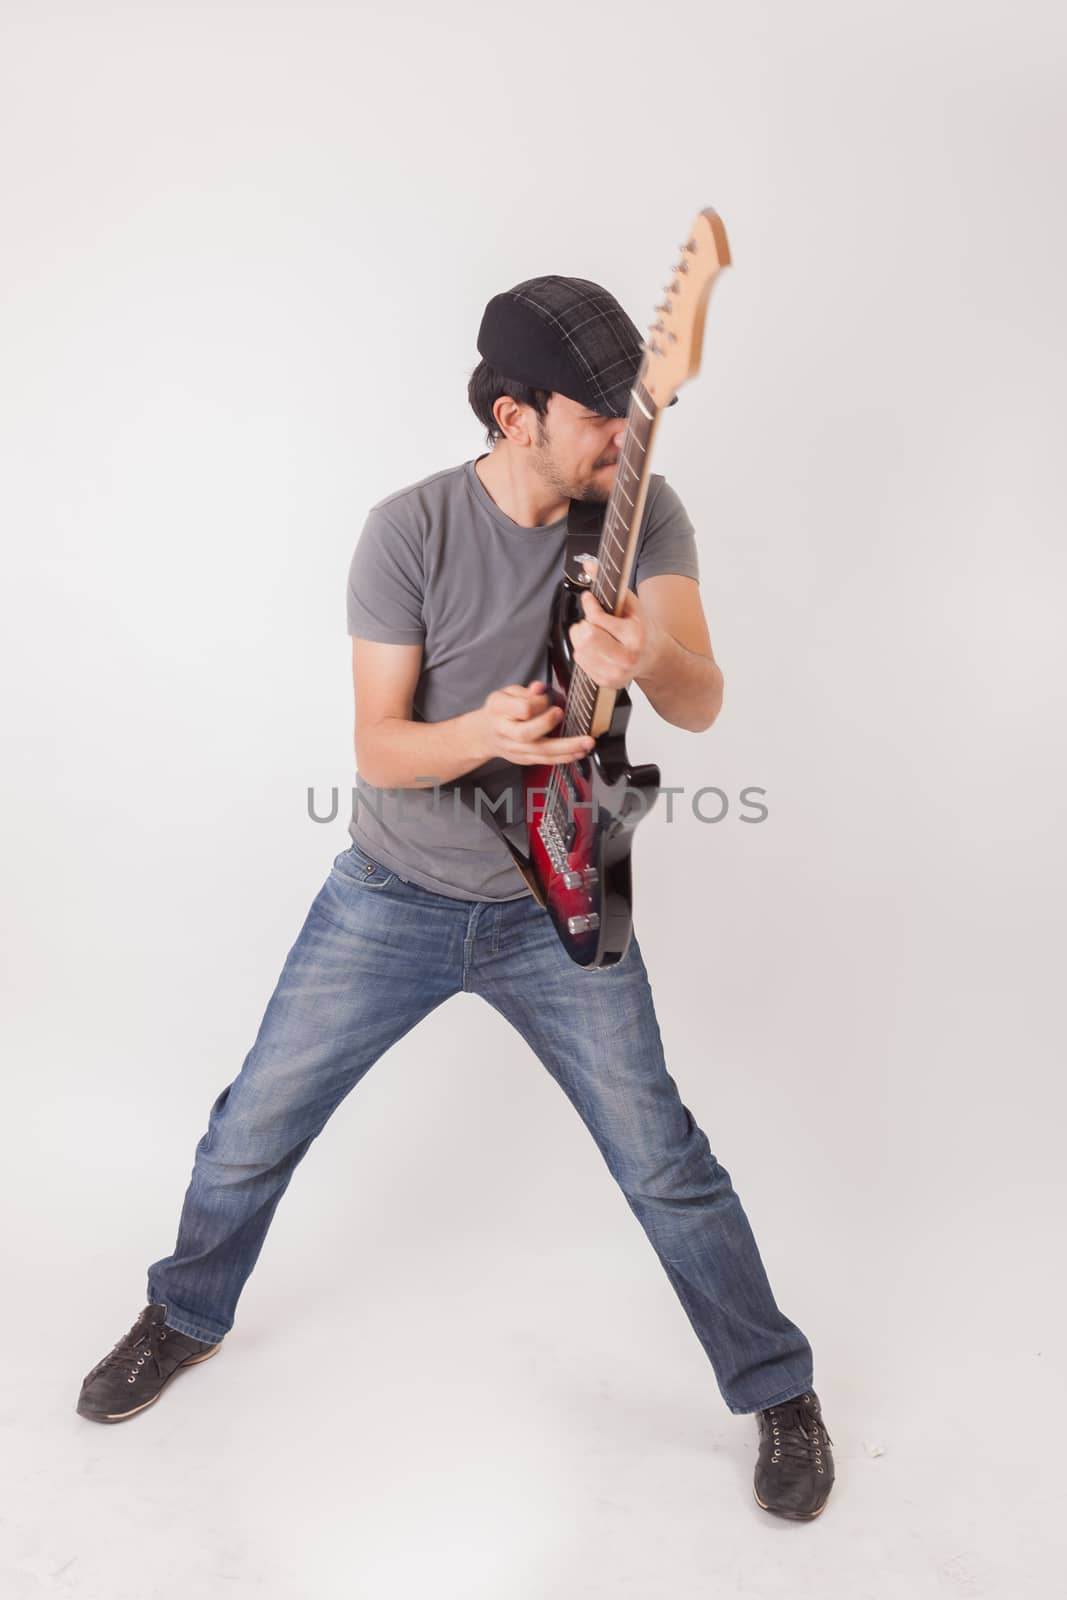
(582, 816)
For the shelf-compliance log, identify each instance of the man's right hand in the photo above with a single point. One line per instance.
(516, 721)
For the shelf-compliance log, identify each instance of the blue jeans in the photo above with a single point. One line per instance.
(374, 956)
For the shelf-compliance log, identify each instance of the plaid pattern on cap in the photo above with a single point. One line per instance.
(568, 335)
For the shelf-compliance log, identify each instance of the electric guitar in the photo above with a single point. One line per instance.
(579, 817)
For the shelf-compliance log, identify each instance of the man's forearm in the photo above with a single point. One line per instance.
(683, 687)
(397, 753)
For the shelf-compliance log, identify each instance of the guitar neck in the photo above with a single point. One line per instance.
(588, 707)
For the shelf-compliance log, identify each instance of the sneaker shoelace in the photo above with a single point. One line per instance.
(798, 1431)
(134, 1348)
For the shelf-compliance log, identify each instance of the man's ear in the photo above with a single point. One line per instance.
(509, 416)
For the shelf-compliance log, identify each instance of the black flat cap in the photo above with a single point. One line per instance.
(567, 335)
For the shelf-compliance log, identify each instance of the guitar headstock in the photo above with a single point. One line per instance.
(673, 347)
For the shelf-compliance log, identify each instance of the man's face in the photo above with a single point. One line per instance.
(576, 450)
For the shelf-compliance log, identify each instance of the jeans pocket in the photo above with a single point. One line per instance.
(356, 866)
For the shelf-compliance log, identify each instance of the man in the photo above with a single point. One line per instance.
(449, 594)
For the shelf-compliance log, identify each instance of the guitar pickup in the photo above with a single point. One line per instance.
(573, 879)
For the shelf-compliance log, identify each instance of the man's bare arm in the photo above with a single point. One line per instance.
(683, 680)
(393, 751)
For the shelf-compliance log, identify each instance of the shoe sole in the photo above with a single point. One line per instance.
(121, 1416)
(794, 1516)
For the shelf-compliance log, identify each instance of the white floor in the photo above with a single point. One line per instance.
(458, 1371)
(490, 1424)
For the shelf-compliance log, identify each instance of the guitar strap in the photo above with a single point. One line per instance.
(585, 521)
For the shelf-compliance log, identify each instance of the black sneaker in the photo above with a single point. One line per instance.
(138, 1369)
(795, 1466)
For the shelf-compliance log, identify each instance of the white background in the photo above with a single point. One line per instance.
(245, 251)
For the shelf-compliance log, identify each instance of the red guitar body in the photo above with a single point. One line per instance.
(581, 818)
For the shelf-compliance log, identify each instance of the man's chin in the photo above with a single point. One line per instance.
(593, 490)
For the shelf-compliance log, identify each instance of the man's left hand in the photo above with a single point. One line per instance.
(611, 649)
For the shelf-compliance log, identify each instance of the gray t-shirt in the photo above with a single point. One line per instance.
(439, 564)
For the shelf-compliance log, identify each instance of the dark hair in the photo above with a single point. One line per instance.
(484, 389)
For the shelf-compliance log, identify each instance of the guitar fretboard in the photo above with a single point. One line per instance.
(618, 543)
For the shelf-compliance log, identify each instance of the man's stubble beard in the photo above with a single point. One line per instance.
(547, 469)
